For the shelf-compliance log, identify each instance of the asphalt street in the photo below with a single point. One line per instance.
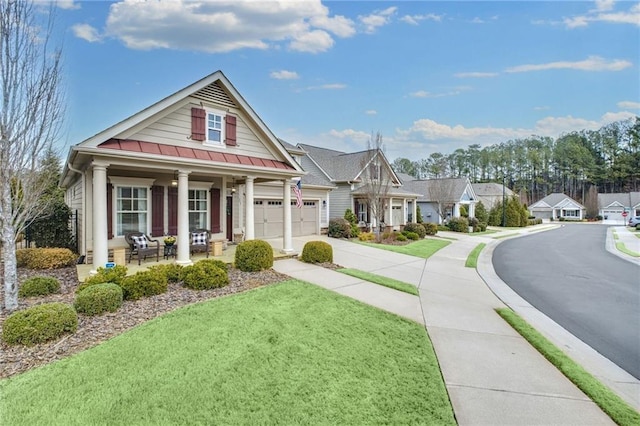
(569, 275)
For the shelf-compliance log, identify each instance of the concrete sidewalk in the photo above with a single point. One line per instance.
(625, 235)
(492, 374)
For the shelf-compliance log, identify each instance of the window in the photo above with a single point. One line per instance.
(214, 127)
(197, 209)
(131, 213)
(362, 211)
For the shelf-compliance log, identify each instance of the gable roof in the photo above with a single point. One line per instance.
(557, 200)
(123, 129)
(455, 188)
(490, 189)
(620, 199)
(340, 166)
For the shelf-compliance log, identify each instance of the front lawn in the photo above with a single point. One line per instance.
(289, 353)
(423, 248)
(472, 259)
(380, 280)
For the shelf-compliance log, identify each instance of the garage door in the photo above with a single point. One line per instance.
(268, 218)
(613, 214)
(304, 220)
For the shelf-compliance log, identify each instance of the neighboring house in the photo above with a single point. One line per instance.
(441, 199)
(199, 158)
(611, 206)
(352, 175)
(557, 206)
(491, 193)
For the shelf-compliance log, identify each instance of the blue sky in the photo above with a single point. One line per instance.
(430, 76)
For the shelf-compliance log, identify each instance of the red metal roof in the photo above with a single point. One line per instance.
(192, 153)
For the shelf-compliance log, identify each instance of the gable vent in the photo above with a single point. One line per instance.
(214, 93)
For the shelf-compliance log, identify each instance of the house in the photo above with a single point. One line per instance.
(355, 178)
(612, 206)
(441, 199)
(557, 206)
(491, 193)
(200, 158)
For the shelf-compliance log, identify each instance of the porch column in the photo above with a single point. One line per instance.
(472, 209)
(100, 232)
(414, 208)
(249, 214)
(183, 219)
(287, 242)
(456, 210)
(390, 212)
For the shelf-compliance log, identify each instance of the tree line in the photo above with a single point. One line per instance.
(606, 160)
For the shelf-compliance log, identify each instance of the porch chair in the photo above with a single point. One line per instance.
(199, 241)
(142, 246)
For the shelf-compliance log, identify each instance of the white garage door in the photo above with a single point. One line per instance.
(268, 218)
(613, 215)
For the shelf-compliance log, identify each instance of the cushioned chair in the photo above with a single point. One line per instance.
(199, 241)
(142, 246)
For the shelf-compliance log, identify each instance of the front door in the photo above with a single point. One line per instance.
(229, 213)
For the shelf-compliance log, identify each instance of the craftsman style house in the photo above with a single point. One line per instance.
(557, 206)
(441, 199)
(198, 159)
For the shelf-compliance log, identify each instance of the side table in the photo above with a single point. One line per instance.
(170, 251)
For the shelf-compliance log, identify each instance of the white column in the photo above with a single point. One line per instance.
(287, 242)
(390, 212)
(250, 234)
(472, 209)
(100, 233)
(414, 207)
(456, 210)
(183, 219)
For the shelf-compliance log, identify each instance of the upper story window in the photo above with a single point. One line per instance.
(214, 127)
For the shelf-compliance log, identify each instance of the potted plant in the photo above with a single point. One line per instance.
(169, 240)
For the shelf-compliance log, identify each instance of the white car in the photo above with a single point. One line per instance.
(634, 221)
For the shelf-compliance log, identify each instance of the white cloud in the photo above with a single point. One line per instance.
(226, 25)
(604, 13)
(629, 105)
(355, 135)
(415, 19)
(328, 86)
(377, 19)
(284, 75)
(86, 32)
(477, 20)
(592, 63)
(67, 4)
(476, 74)
(371, 112)
(424, 94)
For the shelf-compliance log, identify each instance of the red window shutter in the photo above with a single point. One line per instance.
(109, 211)
(215, 210)
(172, 205)
(230, 130)
(157, 207)
(198, 127)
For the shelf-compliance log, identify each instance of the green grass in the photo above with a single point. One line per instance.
(621, 247)
(424, 248)
(290, 353)
(487, 232)
(619, 411)
(380, 280)
(472, 260)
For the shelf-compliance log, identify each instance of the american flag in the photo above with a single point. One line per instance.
(297, 188)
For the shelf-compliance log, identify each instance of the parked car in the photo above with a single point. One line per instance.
(634, 221)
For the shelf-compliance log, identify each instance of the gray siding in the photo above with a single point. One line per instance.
(340, 201)
(427, 209)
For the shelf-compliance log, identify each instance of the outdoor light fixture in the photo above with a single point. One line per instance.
(174, 181)
(233, 186)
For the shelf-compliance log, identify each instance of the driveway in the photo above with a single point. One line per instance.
(569, 275)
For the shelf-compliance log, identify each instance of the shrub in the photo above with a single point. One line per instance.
(254, 255)
(113, 275)
(353, 221)
(417, 228)
(53, 230)
(430, 228)
(410, 235)
(418, 215)
(45, 258)
(339, 228)
(367, 236)
(215, 262)
(458, 224)
(317, 252)
(39, 324)
(98, 299)
(402, 237)
(481, 212)
(144, 284)
(204, 276)
(172, 271)
(39, 286)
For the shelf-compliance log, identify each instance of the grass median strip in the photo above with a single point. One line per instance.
(472, 260)
(289, 353)
(380, 280)
(615, 407)
(424, 248)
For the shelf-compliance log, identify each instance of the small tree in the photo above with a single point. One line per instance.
(30, 117)
(440, 192)
(376, 180)
(418, 215)
(481, 213)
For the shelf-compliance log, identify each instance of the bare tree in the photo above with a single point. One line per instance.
(376, 180)
(440, 191)
(31, 111)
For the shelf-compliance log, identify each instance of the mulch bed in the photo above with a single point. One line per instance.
(97, 329)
